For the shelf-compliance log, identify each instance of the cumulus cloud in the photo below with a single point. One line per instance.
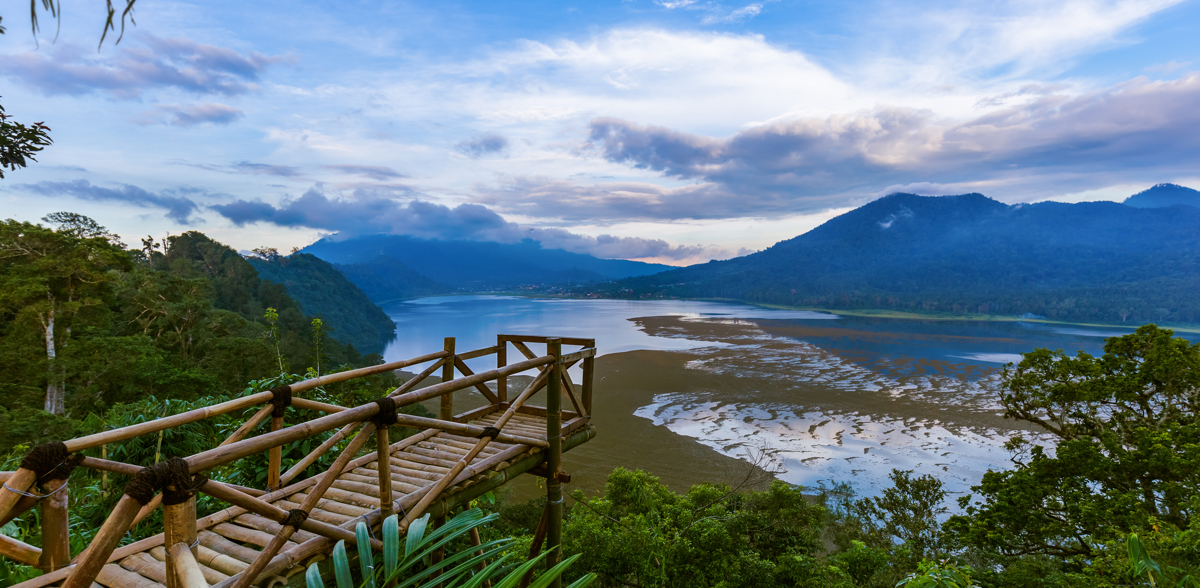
(189, 115)
(1138, 128)
(375, 172)
(178, 207)
(364, 213)
(487, 144)
(162, 63)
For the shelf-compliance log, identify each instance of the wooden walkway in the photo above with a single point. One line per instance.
(259, 540)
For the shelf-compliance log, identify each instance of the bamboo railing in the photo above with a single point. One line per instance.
(506, 433)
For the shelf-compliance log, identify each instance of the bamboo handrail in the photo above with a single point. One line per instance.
(20, 551)
(464, 429)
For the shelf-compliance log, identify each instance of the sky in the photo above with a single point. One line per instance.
(673, 131)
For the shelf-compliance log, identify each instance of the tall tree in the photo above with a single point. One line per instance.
(54, 276)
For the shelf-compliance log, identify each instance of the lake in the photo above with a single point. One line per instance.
(698, 391)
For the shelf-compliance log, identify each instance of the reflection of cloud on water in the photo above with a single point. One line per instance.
(815, 447)
(993, 357)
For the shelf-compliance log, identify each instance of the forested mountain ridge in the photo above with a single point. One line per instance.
(478, 265)
(86, 324)
(322, 291)
(1162, 195)
(969, 254)
(387, 279)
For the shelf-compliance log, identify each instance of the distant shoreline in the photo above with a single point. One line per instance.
(894, 314)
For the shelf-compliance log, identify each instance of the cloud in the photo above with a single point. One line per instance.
(1140, 128)
(179, 208)
(189, 115)
(162, 63)
(249, 167)
(375, 172)
(486, 144)
(365, 213)
(748, 11)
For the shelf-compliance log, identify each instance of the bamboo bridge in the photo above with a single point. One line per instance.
(267, 536)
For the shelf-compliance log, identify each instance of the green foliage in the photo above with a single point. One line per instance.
(942, 574)
(640, 533)
(20, 142)
(322, 291)
(1127, 451)
(410, 563)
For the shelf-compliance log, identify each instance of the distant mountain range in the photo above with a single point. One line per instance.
(1093, 261)
(396, 266)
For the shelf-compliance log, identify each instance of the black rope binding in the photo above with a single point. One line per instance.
(281, 398)
(492, 432)
(295, 518)
(171, 477)
(386, 416)
(46, 458)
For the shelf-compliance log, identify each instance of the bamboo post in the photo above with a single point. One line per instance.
(179, 527)
(589, 370)
(501, 361)
(104, 543)
(104, 474)
(385, 479)
(274, 456)
(56, 527)
(182, 562)
(447, 412)
(554, 498)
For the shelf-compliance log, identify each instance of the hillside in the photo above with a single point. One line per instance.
(1092, 261)
(476, 265)
(322, 291)
(386, 279)
(1164, 195)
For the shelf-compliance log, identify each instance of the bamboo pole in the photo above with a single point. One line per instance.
(247, 427)
(569, 389)
(22, 552)
(264, 558)
(384, 456)
(21, 481)
(447, 408)
(366, 371)
(589, 372)
(223, 455)
(317, 406)
(464, 429)
(154, 426)
(23, 505)
(316, 454)
(274, 456)
(102, 545)
(501, 361)
(233, 496)
(179, 528)
(56, 526)
(554, 497)
(187, 573)
(466, 371)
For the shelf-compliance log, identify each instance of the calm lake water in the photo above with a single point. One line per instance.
(827, 397)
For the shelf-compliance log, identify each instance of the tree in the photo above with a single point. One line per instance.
(54, 276)
(20, 142)
(1127, 454)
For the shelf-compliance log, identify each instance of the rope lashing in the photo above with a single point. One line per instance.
(51, 461)
(295, 517)
(171, 477)
(281, 398)
(491, 432)
(386, 416)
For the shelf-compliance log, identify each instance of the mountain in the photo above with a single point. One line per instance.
(969, 254)
(1162, 195)
(477, 265)
(322, 291)
(386, 279)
